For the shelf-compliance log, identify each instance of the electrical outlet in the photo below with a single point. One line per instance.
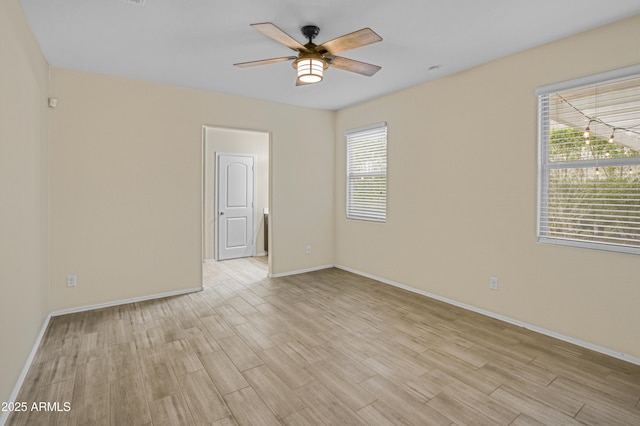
(307, 249)
(493, 283)
(72, 280)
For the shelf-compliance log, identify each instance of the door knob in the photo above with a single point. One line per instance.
(221, 213)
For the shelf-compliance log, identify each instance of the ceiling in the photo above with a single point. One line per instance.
(194, 43)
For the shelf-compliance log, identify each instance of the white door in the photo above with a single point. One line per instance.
(235, 201)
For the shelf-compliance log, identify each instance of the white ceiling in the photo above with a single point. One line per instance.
(194, 43)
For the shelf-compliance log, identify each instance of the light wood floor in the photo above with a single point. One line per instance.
(326, 347)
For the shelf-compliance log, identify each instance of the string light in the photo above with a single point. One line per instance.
(587, 130)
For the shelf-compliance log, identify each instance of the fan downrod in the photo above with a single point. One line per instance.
(310, 32)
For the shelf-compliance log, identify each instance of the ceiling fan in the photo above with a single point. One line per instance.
(313, 59)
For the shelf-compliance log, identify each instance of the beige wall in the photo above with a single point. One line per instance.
(24, 199)
(462, 196)
(235, 141)
(126, 186)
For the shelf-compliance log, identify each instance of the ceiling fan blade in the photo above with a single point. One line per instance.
(350, 41)
(353, 65)
(264, 62)
(275, 33)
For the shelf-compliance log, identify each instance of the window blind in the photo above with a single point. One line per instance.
(367, 173)
(589, 189)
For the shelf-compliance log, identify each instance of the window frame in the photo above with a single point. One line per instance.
(373, 216)
(543, 155)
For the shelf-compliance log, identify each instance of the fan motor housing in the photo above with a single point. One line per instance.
(310, 31)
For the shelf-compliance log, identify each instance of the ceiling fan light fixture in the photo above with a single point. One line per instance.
(310, 70)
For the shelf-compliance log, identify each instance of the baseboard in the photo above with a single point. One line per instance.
(4, 416)
(300, 271)
(125, 301)
(550, 333)
(262, 254)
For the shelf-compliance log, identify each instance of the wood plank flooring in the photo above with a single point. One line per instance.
(322, 348)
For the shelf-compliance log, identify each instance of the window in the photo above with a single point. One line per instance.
(367, 173)
(589, 162)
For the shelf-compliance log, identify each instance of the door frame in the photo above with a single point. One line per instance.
(216, 203)
(206, 186)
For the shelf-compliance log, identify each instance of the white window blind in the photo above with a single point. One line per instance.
(589, 188)
(367, 173)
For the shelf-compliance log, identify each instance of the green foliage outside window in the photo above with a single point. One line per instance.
(600, 203)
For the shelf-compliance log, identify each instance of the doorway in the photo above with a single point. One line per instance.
(242, 143)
